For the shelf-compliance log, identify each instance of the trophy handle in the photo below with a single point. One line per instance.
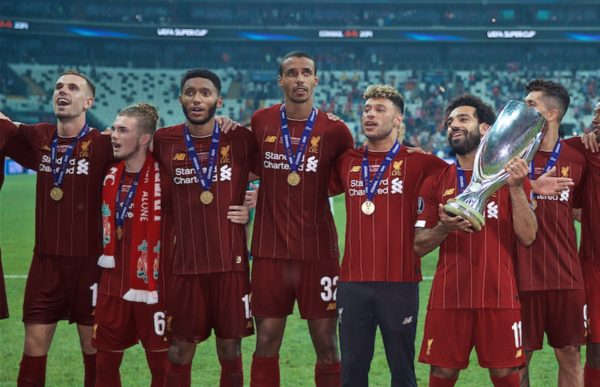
(533, 148)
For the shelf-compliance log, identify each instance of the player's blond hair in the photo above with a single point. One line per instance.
(146, 115)
(386, 92)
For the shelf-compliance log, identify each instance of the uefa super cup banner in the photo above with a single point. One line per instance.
(516, 132)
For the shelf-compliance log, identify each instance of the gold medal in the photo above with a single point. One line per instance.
(119, 232)
(368, 207)
(56, 194)
(206, 197)
(293, 179)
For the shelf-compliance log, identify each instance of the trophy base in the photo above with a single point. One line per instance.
(460, 208)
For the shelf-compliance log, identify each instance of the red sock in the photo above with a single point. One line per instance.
(591, 376)
(107, 369)
(89, 366)
(179, 375)
(328, 375)
(435, 381)
(32, 371)
(232, 374)
(511, 380)
(264, 371)
(158, 363)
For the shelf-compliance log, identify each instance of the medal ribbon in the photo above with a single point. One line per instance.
(460, 177)
(205, 180)
(294, 161)
(59, 177)
(371, 186)
(123, 207)
(551, 161)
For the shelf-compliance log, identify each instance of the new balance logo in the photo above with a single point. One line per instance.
(83, 167)
(492, 210)
(355, 168)
(407, 320)
(179, 157)
(271, 139)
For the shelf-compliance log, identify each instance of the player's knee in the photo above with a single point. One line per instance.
(180, 354)
(444, 373)
(268, 342)
(503, 372)
(229, 349)
(568, 357)
(327, 349)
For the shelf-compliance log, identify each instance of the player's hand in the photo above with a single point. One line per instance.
(549, 184)
(517, 170)
(226, 123)
(238, 214)
(590, 141)
(251, 196)
(453, 223)
(333, 117)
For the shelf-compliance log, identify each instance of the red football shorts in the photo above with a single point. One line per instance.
(591, 276)
(450, 334)
(277, 283)
(3, 301)
(120, 324)
(61, 288)
(197, 304)
(559, 313)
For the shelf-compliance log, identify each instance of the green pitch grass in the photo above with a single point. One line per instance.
(65, 365)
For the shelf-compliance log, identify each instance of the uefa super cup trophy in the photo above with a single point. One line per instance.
(516, 132)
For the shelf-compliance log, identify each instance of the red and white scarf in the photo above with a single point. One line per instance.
(145, 238)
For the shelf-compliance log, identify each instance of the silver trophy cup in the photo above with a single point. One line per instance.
(516, 132)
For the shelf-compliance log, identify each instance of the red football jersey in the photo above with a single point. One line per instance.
(295, 222)
(14, 145)
(474, 270)
(551, 262)
(205, 241)
(379, 247)
(71, 226)
(589, 250)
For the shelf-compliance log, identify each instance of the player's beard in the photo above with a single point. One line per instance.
(211, 113)
(469, 143)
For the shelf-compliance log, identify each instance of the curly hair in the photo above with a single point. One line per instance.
(483, 112)
(386, 92)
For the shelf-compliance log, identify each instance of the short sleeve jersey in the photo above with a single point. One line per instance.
(295, 222)
(589, 250)
(551, 262)
(14, 145)
(379, 247)
(205, 240)
(71, 226)
(474, 270)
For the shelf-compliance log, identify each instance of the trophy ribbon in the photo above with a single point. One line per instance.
(204, 179)
(294, 160)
